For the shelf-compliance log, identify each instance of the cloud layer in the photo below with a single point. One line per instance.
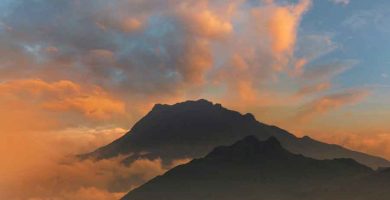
(123, 56)
(41, 165)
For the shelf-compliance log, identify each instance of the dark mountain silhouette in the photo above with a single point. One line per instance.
(253, 170)
(192, 128)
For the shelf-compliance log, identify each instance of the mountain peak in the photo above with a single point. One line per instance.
(250, 148)
(190, 103)
(205, 101)
(192, 128)
(273, 141)
(250, 139)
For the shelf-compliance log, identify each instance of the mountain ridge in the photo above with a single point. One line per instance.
(251, 169)
(191, 129)
(249, 148)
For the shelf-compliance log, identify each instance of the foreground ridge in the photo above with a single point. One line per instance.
(251, 169)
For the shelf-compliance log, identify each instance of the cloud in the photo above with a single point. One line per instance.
(41, 165)
(315, 79)
(205, 23)
(283, 23)
(46, 124)
(62, 96)
(328, 70)
(279, 24)
(313, 46)
(373, 18)
(343, 2)
(31, 160)
(126, 25)
(90, 193)
(257, 52)
(310, 89)
(374, 143)
(174, 46)
(331, 102)
(67, 179)
(169, 52)
(100, 58)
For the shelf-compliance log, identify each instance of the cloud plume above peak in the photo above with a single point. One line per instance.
(141, 53)
(174, 45)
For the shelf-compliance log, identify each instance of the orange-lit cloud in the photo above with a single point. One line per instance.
(298, 67)
(315, 88)
(176, 47)
(283, 24)
(90, 193)
(62, 96)
(196, 61)
(43, 166)
(42, 131)
(31, 160)
(330, 102)
(375, 143)
(205, 23)
(68, 179)
(38, 115)
(202, 26)
(262, 51)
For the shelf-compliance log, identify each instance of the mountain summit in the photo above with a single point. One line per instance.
(250, 149)
(251, 169)
(191, 129)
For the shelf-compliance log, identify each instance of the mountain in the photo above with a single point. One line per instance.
(193, 128)
(253, 170)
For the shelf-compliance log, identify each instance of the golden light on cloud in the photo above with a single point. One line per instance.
(329, 102)
(282, 23)
(32, 139)
(207, 24)
(64, 96)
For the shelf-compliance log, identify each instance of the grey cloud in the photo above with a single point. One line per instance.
(328, 70)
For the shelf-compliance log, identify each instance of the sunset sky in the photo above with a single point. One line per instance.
(77, 74)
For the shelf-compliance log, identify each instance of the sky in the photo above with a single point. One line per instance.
(76, 74)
